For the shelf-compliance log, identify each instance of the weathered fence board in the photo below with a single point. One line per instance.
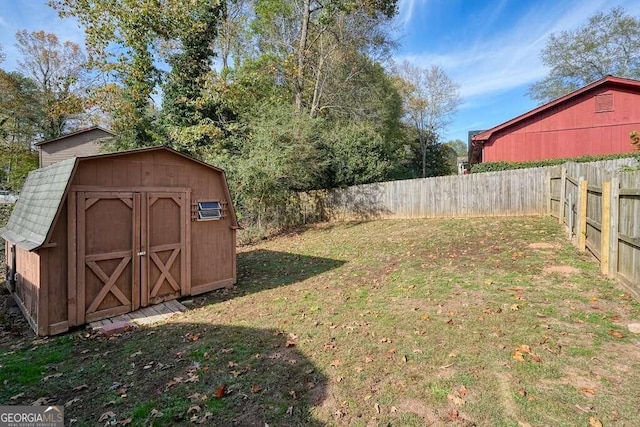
(610, 220)
(517, 192)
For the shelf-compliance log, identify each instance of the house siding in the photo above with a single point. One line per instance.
(595, 122)
(82, 144)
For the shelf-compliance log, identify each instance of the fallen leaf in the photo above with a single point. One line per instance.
(514, 307)
(80, 387)
(256, 389)
(106, 416)
(518, 356)
(588, 391)
(206, 417)
(289, 410)
(48, 377)
(290, 343)
(524, 349)
(462, 391)
(137, 353)
(594, 422)
(125, 422)
(453, 415)
(536, 358)
(522, 392)
(196, 397)
(156, 414)
(425, 317)
(335, 363)
(193, 409)
(41, 401)
(221, 391)
(616, 334)
(72, 401)
(17, 396)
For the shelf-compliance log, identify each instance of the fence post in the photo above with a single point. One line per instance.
(570, 219)
(605, 236)
(615, 216)
(582, 215)
(563, 184)
(548, 192)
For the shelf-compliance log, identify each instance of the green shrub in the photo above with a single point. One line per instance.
(503, 166)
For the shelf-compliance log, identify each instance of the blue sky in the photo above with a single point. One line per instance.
(490, 48)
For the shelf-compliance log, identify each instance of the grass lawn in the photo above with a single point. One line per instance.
(492, 322)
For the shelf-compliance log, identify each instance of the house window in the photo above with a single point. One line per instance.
(604, 102)
(207, 210)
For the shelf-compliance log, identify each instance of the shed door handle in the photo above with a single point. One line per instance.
(142, 253)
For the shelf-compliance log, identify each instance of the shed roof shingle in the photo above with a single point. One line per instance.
(38, 204)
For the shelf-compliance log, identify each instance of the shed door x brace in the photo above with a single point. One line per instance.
(128, 249)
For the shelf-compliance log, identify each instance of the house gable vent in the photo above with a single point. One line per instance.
(604, 102)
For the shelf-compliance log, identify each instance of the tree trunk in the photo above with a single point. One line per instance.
(302, 47)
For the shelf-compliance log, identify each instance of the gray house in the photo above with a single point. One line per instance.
(85, 142)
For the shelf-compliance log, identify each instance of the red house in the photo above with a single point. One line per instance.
(593, 120)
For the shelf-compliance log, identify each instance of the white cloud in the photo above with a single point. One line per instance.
(406, 8)
(508, 57)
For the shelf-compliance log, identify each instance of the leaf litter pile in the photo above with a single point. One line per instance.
(416, 322)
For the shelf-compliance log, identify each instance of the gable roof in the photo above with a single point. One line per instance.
(605, 81)
(45, 189)
(36, 208)
(78, 132)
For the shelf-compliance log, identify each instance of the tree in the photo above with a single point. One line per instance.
(191, 116)
(59, 72)
(304, 33)
(608, 44)
(459, 146)
(430, 99)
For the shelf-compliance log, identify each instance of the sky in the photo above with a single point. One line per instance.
(491, 48)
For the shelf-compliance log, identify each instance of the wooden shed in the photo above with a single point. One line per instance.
(592, 120)
(99, 236)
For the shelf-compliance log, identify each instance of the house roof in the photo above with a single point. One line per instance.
(78, 132)
(43, 193)
(605, 81)
(36, 208)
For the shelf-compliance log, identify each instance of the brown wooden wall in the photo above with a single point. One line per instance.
(212, 243)
(28, 283)
(82, 144)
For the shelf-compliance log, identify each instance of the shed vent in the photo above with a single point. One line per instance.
(604, 102)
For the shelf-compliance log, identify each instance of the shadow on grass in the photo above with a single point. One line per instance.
(170, 375)
(260, 270)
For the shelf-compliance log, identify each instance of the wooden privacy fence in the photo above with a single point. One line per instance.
(507, 193)
(600, 207)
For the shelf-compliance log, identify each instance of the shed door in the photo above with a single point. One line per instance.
(165, 262)
(107, 235)
(130, 251)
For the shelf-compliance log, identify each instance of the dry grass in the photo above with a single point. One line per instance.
(463, 322)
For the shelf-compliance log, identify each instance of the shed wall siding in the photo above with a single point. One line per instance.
(570, 130)
(212, 243)
(84, 144)
(28, 281)
(56, 271)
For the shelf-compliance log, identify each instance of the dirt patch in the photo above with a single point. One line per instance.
(561, 269)
(543, 245)
(417, 407)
